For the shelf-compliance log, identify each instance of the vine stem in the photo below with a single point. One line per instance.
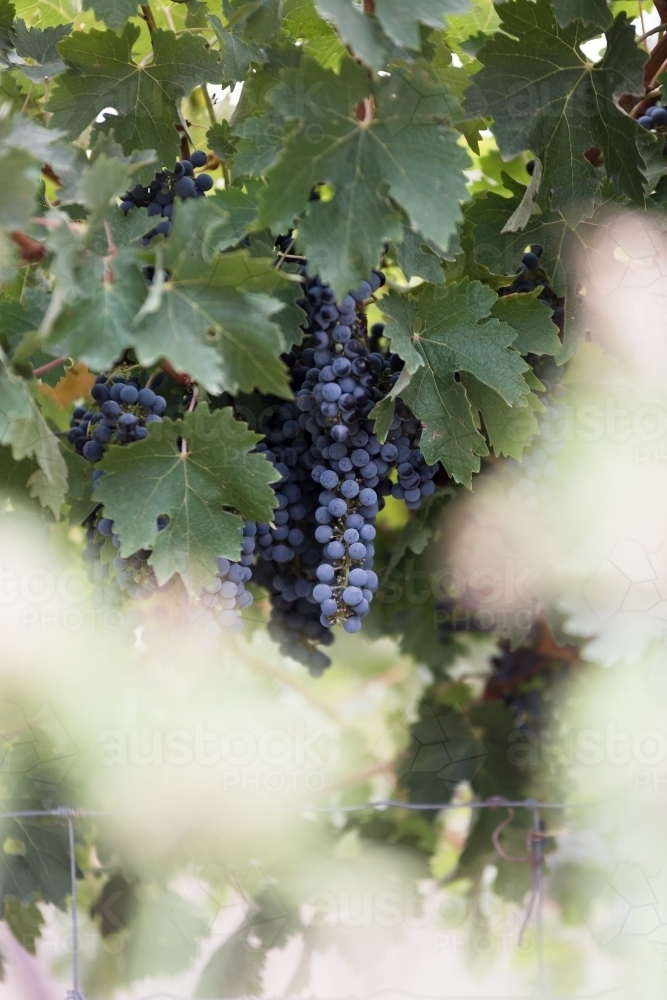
(208, 102)
(43, 369)
(369, 6)
(148, 17)
(652, 31)
(32, 251)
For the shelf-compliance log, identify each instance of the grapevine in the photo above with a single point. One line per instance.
(283, 285)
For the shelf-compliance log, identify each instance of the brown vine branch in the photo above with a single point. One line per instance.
(48, 171)
(185, 144)
(369, 6)
(644, 104)
(32, 251)
(43, 369)
(180, 378)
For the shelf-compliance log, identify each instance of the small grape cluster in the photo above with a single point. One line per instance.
(654, 117)
(159, 196)
(220, 605)
(133, 575)
(530, 277)
(124, 409)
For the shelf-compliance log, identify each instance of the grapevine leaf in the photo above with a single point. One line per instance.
(449, 434)
(40, 46)
(260, 146)
(232, 213)
(591, 11)
(400, 21)
(414, 261)
(23, 427)
(7, 15)
(509, 428)
(211, 320)
(192, 485)
(43, 868)
(220, 141)
(101, 74)
(233, 970)
(317, 37)
(565, 250)
(237, 55)
(14, 478)
(544, 95)
(537, 333)
(96, 325)
(402, 319)
(362, 33)
(79, 487)
(405, 153)
(451, 330)
(114, 13)
(257, 21)
(19, 186)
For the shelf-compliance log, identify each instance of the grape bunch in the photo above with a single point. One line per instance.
(159, 197)
(219, 607)
(123, 410)
(530, 277)
(133, 576)
(653, 118)
(334, 472)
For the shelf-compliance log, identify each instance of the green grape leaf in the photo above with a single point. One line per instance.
(220, 140)
(232, 213)
(232, 970)
(362, 33)
(537, 333)
(101, 74)
(414, 261)
(14, 478)
(260, 146)
(400, 21)
(40, 47)
(194, 485)
(317, 37)
(214, 321)
(95, 325)
(237, 56)
(79, 487)
(405, 153)
(114, 13)
(508, 428)
(566, 251)
(7, 15)
(257, 21)
(591, 11)
(43, 868)
(544, 95)
(451, 330)
(24, 429)
(18, 194)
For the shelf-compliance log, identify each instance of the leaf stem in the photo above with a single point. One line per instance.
(43, 369)
(32, 251)
(369, 6)
(149, 18)
(652, 31)
(209, 103)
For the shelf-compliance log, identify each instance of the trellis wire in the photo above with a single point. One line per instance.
(535, 858)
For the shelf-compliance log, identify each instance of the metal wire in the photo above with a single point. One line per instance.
(535, 858)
